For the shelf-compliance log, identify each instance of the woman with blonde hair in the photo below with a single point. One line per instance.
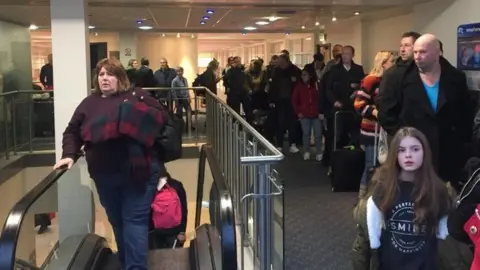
(365, 105)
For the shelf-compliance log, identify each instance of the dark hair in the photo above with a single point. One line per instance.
(312, 80)
(274, 57)
(284, 57)
(114, 67)
(338, 57)
(441, 45)
(411, 34)
(318, 57)
(144, 61)
(349, 47)
(285, 52)
(430, 194)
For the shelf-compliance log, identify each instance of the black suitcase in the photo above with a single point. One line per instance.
(347, 164)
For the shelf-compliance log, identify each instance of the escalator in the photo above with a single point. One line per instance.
(213, 247)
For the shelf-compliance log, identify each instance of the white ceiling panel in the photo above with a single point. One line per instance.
(185, 16)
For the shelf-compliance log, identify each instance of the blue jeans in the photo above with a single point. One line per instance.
(182, 103)
(128, 205)
(307, 125)
(369, 156)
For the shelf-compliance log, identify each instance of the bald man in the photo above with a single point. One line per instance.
(432, 96)
(164, 77)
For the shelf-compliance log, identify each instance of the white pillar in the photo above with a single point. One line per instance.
(128, 47)
(71, 73)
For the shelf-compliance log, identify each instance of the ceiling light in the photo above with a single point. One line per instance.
(193, 36)
(262, 23)
(139, 21)
(334, 19)
(33, 27)
(356, 13)
(163, 35)
(210, 11)
(250, 28)
(317, 23)
(244, 33)
(145, 27)
(178, 35)
(272, 18)
(96, 34)
(202, 22)
(303, 26)
(205, 18)
(91, 27)
(287, 34)
(308, 38)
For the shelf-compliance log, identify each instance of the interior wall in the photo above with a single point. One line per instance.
(347, 33)
(383, 35)
(111, 39)
(181, 51)
(442, 18)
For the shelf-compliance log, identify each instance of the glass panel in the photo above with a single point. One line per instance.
(65, 210)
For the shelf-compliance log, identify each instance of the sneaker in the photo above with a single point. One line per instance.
(294, 148)
(319, 157)
(306, 156)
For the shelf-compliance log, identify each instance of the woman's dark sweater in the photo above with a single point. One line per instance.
(104, 157)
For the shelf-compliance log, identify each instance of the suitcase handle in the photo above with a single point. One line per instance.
(335, 116)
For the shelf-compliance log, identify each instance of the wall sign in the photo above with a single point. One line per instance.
(468, 53)
(128, 52)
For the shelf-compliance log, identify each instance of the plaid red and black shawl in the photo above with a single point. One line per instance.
(135, 120)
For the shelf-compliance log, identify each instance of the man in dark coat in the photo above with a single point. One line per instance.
(432, 96)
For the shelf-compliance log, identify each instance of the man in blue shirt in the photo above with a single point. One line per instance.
(432, 96)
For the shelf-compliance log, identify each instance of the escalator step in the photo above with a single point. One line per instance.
(169, 259)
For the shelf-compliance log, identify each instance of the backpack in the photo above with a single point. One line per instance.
(166, 208)
(169, 145)
(198, 80)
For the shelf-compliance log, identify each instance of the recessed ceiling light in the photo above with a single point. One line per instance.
(178, 35)
(202, 22)
(205, 18)
(287, 34)
(33, 27)
(272, 18)
(334, 19)
(91, 27)
(193, 36)
(308, 38)
(250, 28)
(139, 21)
(317, 23)
(96, 34)
(303, 26)
(356, 13)
(145, 27)
(262, 23)
(163, 35)
(244, 33)
(210, 11)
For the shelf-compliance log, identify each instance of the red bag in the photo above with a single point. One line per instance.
(166, 209)
(472, 228)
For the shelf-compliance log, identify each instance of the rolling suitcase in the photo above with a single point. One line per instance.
(347, 163)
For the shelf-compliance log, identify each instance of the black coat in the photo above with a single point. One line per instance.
(405, 103)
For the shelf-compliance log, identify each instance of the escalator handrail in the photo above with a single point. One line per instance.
(225, 202)
(14, 220)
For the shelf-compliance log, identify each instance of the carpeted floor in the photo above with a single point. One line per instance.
(319, 229)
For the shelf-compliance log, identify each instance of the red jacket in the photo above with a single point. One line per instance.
(306, 100)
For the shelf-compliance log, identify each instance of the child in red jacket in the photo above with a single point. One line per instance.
(306, 103)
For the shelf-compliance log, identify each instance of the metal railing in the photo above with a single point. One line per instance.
(247, 159)
(10, 116)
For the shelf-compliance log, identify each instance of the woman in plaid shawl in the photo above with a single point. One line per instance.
(117, 126)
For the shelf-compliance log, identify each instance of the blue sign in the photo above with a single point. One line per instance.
(468, 53)
(468, 39)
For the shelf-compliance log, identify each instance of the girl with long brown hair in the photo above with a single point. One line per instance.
(407, 210)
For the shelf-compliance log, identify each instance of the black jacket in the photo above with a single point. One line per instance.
(144, 77)
(280, 75)
(405, 103)
(339, 81)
